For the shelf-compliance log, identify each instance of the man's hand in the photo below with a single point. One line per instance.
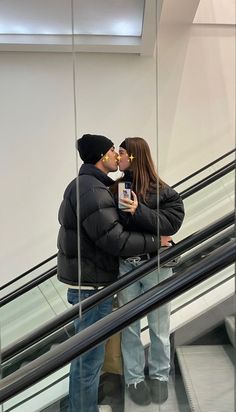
(165, 241)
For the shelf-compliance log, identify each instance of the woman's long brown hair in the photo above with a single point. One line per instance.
(145, 177)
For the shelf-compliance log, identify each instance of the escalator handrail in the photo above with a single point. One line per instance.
(71, 313)
(206, 181)
(203, 168)
(28, 286)
(174, 186)
(116, 321)
(5, 285)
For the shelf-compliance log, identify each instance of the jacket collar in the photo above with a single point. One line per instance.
(91, 170)
(128, 175)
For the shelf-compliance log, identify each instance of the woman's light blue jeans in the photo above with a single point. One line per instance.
(159, 330)
(85, 370)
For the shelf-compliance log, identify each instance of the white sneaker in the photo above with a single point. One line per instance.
(105, 408)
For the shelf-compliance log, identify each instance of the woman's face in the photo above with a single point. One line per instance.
(124, 160)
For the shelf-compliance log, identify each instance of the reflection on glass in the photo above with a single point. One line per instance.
(191, 115)
(49, 298)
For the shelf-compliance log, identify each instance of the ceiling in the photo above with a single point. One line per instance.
(123, 26)
(100, 17)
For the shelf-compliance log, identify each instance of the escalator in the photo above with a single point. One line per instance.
(54, 302)
(96, 333)
(214, 200)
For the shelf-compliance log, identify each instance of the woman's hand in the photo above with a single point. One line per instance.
(165, 241)
(131, 204)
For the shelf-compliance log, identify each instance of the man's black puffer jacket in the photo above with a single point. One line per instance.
(102, 237)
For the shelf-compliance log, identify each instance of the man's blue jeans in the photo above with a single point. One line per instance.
(159, 325)
(85, 370)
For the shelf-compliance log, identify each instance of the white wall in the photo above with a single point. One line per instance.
(116, 95)
(36, 123)
(216, 12)
(196, 96)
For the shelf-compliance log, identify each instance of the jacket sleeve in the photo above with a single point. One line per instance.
(102, 226)
(169, 216)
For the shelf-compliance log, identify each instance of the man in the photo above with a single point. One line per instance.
(102, 239)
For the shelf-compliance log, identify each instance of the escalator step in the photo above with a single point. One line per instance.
(230, 327)
(208, 374)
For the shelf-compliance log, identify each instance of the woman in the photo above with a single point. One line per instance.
(156, 209)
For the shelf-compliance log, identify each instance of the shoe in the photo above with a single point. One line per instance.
(104, 408)
(159, 390)
(140, 393)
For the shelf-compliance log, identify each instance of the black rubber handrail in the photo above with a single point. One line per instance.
(175, 185)
(205, 248)
(206, 181)
(116, 321)
(27, 272)
(28, 286)
(70, 314)
(204, 168)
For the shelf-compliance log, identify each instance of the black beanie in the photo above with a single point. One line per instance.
(123, 144)
(92, 147)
